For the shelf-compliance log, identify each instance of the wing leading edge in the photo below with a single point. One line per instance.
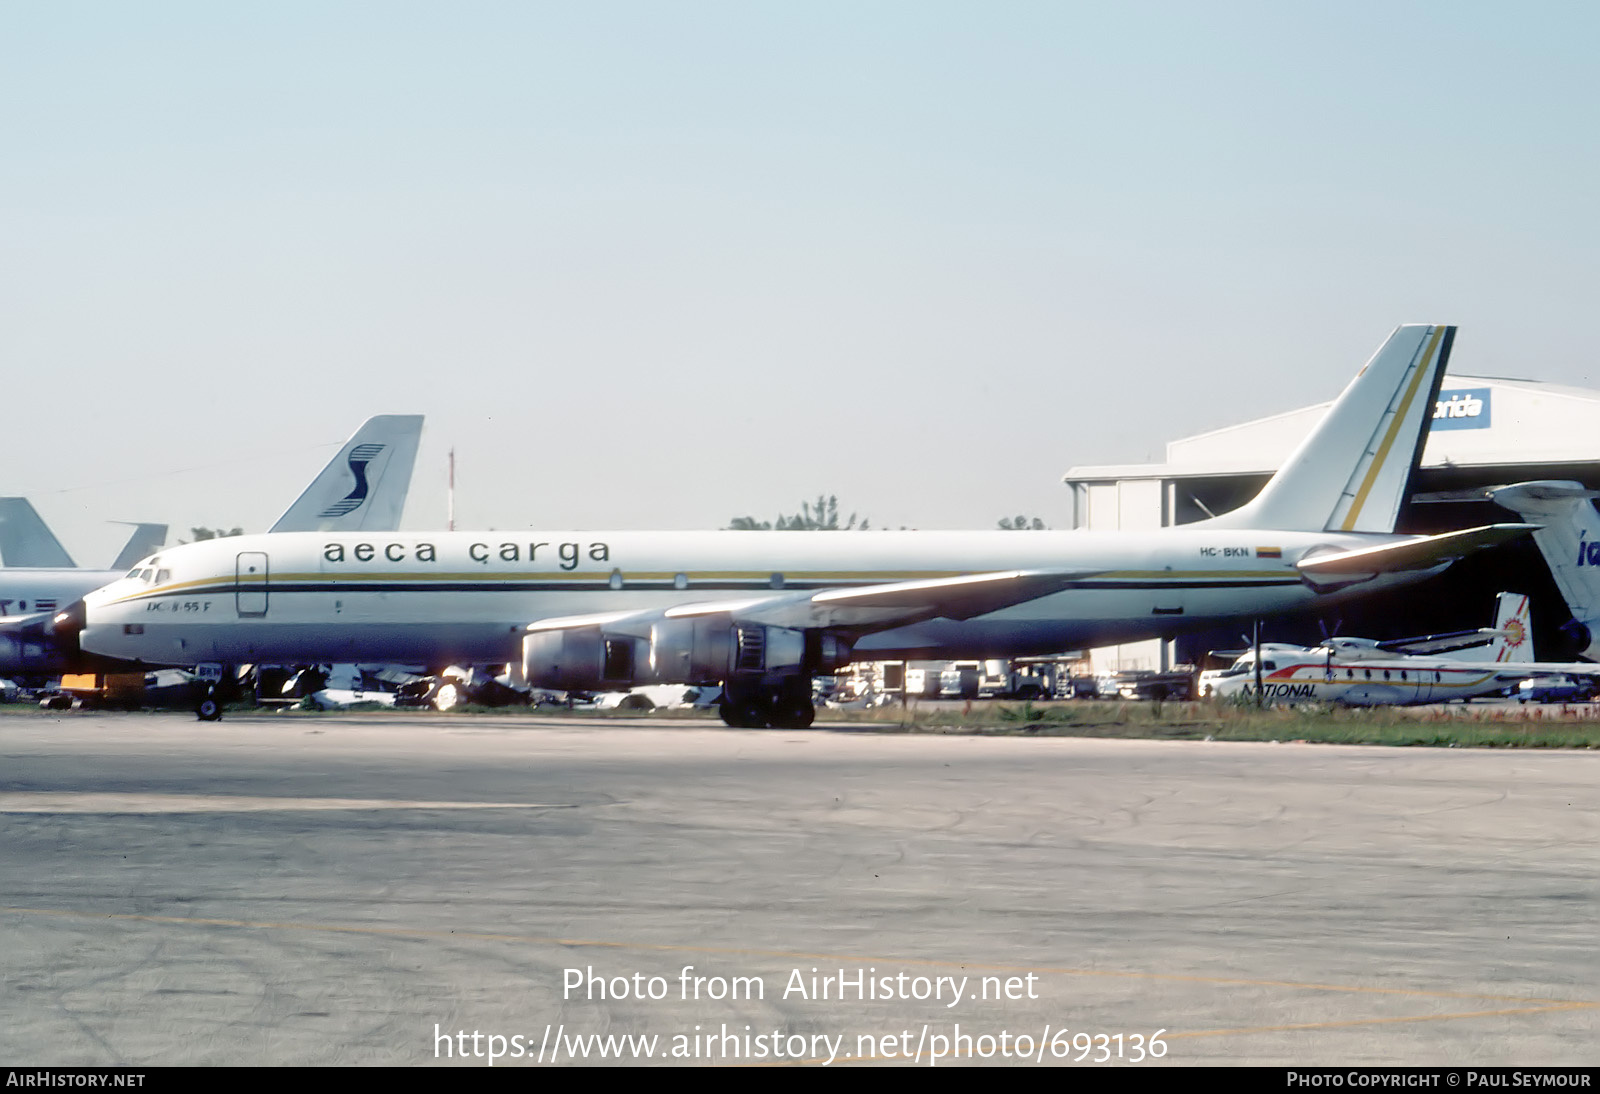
(867, 608)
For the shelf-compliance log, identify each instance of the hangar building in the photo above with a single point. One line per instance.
(1486, 431)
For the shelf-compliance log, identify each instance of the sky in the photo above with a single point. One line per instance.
(659, 265)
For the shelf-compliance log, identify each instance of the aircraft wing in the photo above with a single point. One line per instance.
(863, 608)
(1440, 643)
(1421, 553)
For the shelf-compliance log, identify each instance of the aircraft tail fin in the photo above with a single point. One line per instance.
(146, 540)
(25, 539)
(1569, 539)
(1513, 629)
(364, 487)
(1354, 470)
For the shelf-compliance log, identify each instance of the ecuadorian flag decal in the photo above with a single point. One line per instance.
(1269, 552)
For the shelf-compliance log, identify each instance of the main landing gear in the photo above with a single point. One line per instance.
(209, 709)
(786, 706)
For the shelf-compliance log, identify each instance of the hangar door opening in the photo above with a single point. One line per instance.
(250, 583)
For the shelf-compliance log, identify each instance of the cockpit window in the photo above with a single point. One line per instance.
(163, 576)
(144, 575)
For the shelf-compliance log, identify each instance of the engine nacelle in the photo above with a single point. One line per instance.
(36, 646)
(583, 659)
(692, 651)
(30, 656)
(698, 650)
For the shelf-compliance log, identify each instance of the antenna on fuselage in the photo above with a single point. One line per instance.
(450, 515)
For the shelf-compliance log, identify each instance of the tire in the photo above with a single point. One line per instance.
(743, 715)
(640, 703)
(793, 715)
(209, 710)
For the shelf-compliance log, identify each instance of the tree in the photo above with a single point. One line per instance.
(824, 517)
(1022, 524)
(213, 533)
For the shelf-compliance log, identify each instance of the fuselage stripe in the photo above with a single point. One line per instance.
(1382, 455)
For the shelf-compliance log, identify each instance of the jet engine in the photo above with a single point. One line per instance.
(698, 650)
(41, 645)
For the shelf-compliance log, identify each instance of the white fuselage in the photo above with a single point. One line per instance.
(26, 590)
(435, 598)
(25, 650)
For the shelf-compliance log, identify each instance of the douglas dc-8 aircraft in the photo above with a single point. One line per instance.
(363, 487)
(761, 613)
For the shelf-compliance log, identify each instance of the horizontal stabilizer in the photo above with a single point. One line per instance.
(1542, 497)
(1422, 553)
(1510, 639)
(1440, 643)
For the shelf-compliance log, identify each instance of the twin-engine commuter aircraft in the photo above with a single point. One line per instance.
(762, 612)
(1361, 672)
(363, 487)
(1569, 539)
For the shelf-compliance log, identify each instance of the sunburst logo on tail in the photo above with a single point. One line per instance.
(1516, 633)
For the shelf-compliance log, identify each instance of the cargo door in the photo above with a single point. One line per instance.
(250, 583)
(1429, 686)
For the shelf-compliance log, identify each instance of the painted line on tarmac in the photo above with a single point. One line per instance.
(54, 801)
(791, 955)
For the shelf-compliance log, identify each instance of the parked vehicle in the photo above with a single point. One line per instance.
(1554, 689)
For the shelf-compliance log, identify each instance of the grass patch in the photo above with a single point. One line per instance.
(1455, 727)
